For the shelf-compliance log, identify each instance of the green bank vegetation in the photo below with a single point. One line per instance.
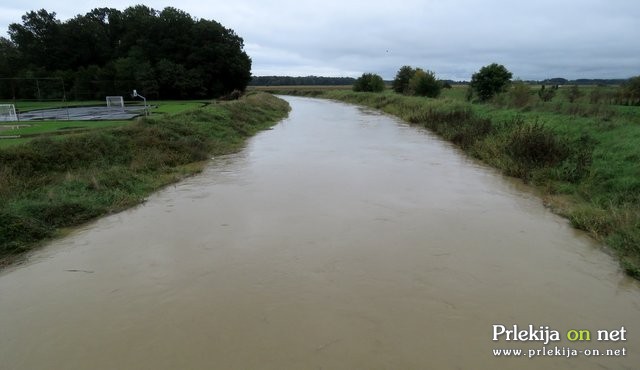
(48, 184)
(578, 148)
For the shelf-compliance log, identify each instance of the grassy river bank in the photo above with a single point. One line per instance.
(584, 159)
(48, 184)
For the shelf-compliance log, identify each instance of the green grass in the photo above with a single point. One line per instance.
(585, 158)
(54, 127)
(159, 106)
(173, 107)
(40, 127)
(55, 182)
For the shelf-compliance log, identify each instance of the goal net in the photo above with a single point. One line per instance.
(115, 102)
(8, 112)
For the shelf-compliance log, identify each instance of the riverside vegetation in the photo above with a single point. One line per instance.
(583, 155)
(48, 184)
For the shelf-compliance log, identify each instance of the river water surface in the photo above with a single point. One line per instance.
(341, 239)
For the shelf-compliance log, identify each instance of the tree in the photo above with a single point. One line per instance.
(369, 82)
(165, 54)
(401, 82)
(424, 83)
(37, 38)
(8, 57)
(490, 80)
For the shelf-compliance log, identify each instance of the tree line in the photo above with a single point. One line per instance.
(300, 81)
(164, 54)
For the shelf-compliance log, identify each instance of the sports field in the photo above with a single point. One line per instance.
(46, 119)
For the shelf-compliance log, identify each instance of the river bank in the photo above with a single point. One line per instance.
(585, 163)
(49, 184)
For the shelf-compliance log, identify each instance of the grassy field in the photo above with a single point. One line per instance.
(53, 182)
(584, 155)
(158, 106)
(31, 129)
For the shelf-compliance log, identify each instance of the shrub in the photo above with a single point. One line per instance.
(629, 92)
(369, 82)
(596, 95)
(534, 145)
(424, 83)
(520, 94)
(573, 93)
(547, 94)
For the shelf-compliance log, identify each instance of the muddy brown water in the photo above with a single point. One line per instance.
(341, 239)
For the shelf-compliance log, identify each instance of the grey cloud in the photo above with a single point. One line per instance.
(454, 38)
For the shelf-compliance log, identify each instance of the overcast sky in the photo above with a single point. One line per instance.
(534, 39)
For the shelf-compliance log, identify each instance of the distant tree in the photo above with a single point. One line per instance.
(573, 93)
(298, 81)
(401, 82)
(556, 81)
(547, 94)
(424, 83)
(490, 80)
(370, 82)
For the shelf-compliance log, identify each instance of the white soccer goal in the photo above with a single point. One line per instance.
(8, 112)
(115, 102)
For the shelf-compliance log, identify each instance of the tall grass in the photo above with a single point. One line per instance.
(587, 165)
(48, 184)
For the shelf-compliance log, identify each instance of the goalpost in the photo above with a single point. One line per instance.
(115, 102)
(8, 112)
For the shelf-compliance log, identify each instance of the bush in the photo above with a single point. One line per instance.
(630, 92)
(596, 95)
(490, 80)
(534, 145)
(520, 94)
(424, 84)
(547, 94)
(369, 82)
(573, 93)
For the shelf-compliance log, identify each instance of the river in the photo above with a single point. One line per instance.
(341, 239)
